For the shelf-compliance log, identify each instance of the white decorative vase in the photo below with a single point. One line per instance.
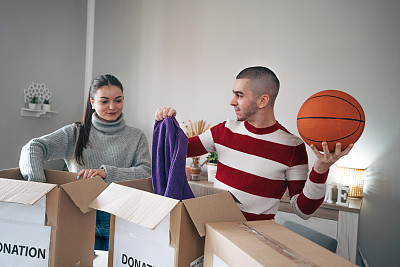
(32, 106)
(46, 107)
(211, 171)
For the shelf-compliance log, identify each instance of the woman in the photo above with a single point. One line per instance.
(101, 144)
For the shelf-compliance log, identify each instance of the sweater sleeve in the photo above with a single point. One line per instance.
(195, 147)
(140, 167)
(57, 145)
(312, 195)
(306, 195)
(203, 143)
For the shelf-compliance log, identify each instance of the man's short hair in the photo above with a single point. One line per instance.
(264, 81)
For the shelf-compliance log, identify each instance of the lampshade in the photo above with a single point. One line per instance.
(352, 177)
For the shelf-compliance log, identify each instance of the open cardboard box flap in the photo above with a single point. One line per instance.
(134, 205)
(13, 173)
(148, 209)
(213, 208)
(83, 192)
(145, 184)
(23, 192)
(59, 177)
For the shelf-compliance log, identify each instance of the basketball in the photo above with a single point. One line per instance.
(331, 116)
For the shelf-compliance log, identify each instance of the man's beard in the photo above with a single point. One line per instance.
(249, 112)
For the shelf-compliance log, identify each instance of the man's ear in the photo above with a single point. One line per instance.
(263, 101)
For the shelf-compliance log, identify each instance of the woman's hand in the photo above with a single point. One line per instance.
(327, 159)
(162, 113)
(90, 173)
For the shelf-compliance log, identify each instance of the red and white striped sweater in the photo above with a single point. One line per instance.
(257, 165)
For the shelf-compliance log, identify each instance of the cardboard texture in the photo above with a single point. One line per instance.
(263, 243)
(203, 190)
(67, 211)
(16, 191)
(136, 206)
(135, 202)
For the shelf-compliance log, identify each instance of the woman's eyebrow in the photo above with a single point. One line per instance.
(109, 98)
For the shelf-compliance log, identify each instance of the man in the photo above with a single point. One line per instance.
(257, 157)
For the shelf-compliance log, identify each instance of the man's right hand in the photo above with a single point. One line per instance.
(162, 113)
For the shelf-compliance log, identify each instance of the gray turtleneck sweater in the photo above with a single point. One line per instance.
(122, 151)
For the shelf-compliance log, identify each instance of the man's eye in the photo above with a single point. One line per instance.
(118, 101)
(104, 102)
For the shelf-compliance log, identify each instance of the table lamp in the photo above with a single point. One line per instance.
(352, 177)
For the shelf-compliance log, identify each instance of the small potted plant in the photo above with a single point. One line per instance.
(212, 160)
(33, 102)
(46, 104)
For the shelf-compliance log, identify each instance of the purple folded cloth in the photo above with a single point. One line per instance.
(169, 160)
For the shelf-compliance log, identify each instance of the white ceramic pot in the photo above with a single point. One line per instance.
(32, 106)
(211, 171)
(46, 107)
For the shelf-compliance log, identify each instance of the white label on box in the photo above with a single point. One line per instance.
(33, 214)
(135, 245)
(218, 262)
(23, 244)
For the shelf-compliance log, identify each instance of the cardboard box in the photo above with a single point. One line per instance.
(263, 243)
(47, 224)
(152, 230)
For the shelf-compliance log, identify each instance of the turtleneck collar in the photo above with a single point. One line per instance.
(108, 127)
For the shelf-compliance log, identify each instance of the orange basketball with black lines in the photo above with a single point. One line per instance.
(331, 116)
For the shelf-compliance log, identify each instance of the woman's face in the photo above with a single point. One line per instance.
(108, 102)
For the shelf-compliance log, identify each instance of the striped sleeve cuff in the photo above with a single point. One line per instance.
(318, 178)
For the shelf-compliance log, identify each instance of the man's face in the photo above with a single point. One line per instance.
(244, 104)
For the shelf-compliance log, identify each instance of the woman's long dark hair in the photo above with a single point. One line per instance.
(83, 127)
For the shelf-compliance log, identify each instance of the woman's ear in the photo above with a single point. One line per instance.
(92, 102)
(263, 101)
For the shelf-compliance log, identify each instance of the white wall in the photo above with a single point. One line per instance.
(186, 54)
(41, 41)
